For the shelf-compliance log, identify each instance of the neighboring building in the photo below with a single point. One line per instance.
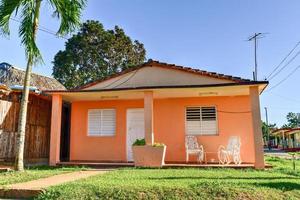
(286, 138)
(38, 116)
(13, 78)
(161, 101)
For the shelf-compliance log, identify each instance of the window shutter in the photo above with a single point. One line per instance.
(193, 120)
(94, 119)
(101, 122)
(201, 121)
(108, 122)
(209, 122)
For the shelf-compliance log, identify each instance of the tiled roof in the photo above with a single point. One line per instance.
(175, 67)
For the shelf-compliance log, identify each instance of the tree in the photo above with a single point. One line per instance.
(68, 11)
(266, 128)
(293, 120)
(266, 132)
(95, 53)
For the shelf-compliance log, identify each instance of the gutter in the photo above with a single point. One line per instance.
(159, 87)
(21, 87)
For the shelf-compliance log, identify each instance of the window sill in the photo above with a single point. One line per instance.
(101, 135)
(203, 134)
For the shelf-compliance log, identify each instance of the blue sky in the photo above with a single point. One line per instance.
(207, 34)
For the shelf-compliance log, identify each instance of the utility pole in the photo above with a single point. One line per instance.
(268, 131)
(254, 38)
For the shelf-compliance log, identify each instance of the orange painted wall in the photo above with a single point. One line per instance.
(169, 128)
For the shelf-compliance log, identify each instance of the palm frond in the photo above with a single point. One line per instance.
(7, 8)
(26, 31)
(69, 13)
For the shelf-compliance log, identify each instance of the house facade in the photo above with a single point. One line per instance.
(162, 103)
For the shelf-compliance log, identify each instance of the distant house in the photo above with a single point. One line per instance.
(13, 78)
(286, 138)
(161, 102)
(38, 117)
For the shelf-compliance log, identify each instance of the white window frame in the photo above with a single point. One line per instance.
(200, 132)
(101, 133)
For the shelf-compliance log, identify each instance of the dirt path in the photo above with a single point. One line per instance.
(35, 187)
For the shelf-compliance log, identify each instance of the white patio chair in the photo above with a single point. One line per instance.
(231, 152)
(192, 147)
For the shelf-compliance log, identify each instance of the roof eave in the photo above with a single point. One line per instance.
(249, 83)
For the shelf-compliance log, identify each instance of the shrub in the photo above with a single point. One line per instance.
(139, 142)
(142, 142)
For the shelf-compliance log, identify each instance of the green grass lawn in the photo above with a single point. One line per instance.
(33, 173)
(281, 182)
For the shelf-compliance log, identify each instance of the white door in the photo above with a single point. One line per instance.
(135, 129)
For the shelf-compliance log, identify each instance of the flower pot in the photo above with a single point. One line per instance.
(149, 156)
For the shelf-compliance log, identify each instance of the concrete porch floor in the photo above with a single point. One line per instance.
(167, 165)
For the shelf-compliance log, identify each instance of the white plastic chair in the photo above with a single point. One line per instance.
(192, 147)
(232, 152)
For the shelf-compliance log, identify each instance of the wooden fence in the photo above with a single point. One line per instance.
(37, 137)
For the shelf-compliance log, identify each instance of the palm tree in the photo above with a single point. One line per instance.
(67, 11)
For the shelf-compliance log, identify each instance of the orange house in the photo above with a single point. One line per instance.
(153, 101)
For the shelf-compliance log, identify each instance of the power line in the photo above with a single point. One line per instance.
(281, 108)
(284, 66)
(130, 77)
(280, 82)
(286, 98)
(282, 61)
(42, 28)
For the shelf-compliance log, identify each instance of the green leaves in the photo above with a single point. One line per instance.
(139, 142)
(7, 8)
(293, 120)
(95, 53)
(68, 11)
(28, 29)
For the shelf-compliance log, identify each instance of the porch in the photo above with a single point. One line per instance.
(165, 166)
(286, 138)
(164, 111)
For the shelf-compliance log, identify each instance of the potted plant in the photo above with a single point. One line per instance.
(148, 155)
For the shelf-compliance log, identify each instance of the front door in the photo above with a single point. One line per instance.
(135, 129)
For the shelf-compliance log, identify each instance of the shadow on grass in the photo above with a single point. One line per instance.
(45, 167)
(223, 178)
(285, 186)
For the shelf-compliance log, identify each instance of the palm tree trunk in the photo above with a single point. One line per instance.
(25, 94)
(22, 118)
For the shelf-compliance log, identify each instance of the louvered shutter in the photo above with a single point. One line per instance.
(208, 121)
(101, 122)
(94, 119)
(201, 121)
(108, 122)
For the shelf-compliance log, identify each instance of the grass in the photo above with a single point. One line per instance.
(281, 182)
(33, 173)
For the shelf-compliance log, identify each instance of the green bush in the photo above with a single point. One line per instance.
(142, 142)
(139, 142)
